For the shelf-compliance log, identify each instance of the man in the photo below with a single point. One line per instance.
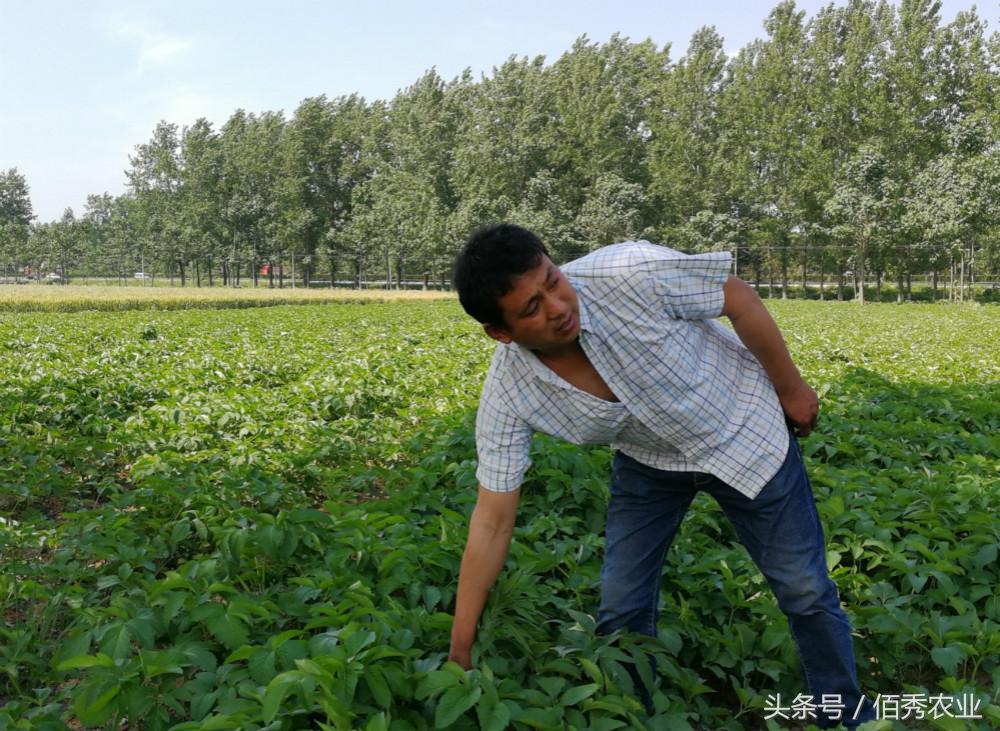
(621, 347)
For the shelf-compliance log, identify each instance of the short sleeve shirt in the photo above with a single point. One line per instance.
(691, 396)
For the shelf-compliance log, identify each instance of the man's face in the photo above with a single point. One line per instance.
(541, 311)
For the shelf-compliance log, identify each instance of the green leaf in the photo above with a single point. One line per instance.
(670, 722)
(590, 667)
(358, 641)
(581, 692)
(454, 703)
(276, 691)
(261, 666)
(180, 531)
(772, 637)
(671, 639)
(948, 658)
(86, 661)
(117, 642)
(375, 680)
(435, 682)
(431, 596)
(541, 718)
(93, 705)
(230, 630)
(985, 556)
(241, 654)
(604, 724)
(832, 559)
(220, 722)
(493, 716)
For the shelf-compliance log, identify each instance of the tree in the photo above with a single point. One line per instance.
(94, 232)
(543, 211)
(15, 218)
(502, 133)
(612, 211)
(955, 196)
(155, 182)
(685, 127)
(200, 203)
(61, 245)
(861, 206)
(250, 182)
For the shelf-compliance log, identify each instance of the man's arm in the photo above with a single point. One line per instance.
(490, 529)
(758, 331)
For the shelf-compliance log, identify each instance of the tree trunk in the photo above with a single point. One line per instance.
(333, 270)
(899, 291)
(961, 279)
(211, 279)
(183, 268)
(197, 272)
(972, 270)
(934, 285)
(861, 277)
(822, 282)
(840, 285)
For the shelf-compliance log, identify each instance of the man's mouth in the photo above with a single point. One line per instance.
(567, 324)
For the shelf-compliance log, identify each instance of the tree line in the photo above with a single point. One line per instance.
(859, 144)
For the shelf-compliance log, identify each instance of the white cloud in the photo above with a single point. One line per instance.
(153, 48)
(157, 51)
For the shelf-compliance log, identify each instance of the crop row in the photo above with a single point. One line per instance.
(80, 298)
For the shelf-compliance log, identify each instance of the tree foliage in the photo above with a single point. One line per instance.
(860, 142)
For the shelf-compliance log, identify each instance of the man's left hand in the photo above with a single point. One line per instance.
(801, 406)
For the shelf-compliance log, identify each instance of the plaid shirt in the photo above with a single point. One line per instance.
(692, 397)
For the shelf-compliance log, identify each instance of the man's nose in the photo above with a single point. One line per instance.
(556, 308)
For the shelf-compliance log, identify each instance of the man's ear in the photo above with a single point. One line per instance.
(498, 334)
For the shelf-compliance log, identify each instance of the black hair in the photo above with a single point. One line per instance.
(493, 256)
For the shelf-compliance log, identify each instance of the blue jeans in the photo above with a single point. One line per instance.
(780, 529)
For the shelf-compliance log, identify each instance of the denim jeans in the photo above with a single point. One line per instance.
(780, 529)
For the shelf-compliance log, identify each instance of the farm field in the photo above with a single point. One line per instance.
(77, 298)
(254, 518)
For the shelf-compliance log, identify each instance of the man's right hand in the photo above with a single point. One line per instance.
(801, 406)
(462, 656)
(490, 530)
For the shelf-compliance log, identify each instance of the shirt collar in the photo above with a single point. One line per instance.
(584, 312)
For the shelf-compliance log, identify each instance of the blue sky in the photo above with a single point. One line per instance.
(82, 83)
